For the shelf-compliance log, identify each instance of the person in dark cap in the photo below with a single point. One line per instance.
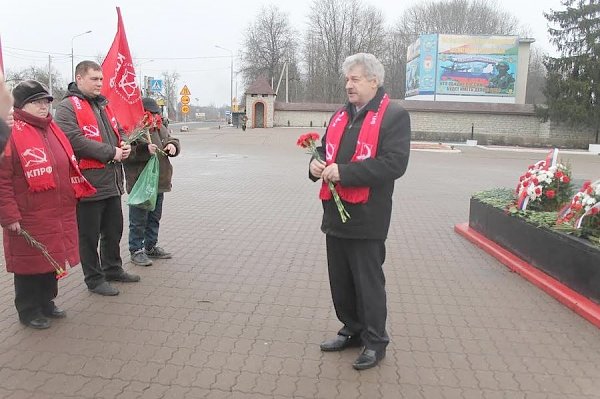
(6, 113)
(40, 183)
(144, 224)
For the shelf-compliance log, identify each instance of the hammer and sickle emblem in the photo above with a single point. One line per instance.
(329, 150)
(90, 131)
(34, 156)
(365, 151)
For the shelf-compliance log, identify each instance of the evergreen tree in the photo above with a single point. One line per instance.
(573, 83)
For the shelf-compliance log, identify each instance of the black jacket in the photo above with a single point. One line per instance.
(372, 219)
(109, 180)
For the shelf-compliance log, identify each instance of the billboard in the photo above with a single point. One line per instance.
(420, 66)
(462, 65)
(477, 65)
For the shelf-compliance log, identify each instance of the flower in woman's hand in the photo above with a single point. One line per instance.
(62, 273)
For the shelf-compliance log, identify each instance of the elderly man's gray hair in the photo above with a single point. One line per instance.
(372, 66)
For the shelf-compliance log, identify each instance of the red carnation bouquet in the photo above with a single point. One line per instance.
(545, 186)
(309, 142)
(582, 213)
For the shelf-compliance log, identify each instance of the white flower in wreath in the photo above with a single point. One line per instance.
(532, 191)
(589, 201)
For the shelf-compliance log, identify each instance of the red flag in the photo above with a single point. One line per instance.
(1, 60)
(120, 83)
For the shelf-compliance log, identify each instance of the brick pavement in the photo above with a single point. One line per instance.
(241, 309)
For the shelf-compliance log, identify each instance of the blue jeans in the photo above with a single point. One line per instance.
(143, 226)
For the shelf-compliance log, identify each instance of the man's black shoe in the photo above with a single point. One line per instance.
(341, 342)
(104, 289)
(368, 358)
(39, 323)
(55, 313)
(124, 278)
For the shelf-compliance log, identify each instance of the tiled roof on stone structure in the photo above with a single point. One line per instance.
(260, 86)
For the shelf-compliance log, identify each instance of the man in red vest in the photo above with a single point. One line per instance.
(366, 148)
(94, 133)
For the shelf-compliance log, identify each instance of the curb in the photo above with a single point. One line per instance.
(581, 305)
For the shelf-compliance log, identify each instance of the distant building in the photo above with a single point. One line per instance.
(260, 104)
(468, 68)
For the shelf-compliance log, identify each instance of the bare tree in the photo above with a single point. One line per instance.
(170, 84)
(394, 61)
(41, 74)
(337, 29)
(269, 44)
(536, 77)
(461, 17)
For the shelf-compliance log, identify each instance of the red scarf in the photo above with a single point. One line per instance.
(35, 161)
(366, 147)
(89, 127)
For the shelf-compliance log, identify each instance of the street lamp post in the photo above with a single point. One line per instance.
(230, 84)
(72, 56)
(141, 78)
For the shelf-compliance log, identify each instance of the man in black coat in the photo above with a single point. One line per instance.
(366, 148)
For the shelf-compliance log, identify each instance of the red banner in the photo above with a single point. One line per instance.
(120, 83)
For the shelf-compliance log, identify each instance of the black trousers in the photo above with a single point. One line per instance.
(34, 294)
(100, 222)
(358, 288)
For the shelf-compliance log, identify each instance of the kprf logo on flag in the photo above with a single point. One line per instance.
(122, 91)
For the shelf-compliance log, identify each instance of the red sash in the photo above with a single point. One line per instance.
(89, 127)
(366, 147)
(36, 164)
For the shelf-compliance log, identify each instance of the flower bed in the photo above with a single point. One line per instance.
(573, 261)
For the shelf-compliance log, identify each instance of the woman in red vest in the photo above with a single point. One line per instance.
(39, 186)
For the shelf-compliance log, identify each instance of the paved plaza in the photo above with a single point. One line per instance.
(240, 310)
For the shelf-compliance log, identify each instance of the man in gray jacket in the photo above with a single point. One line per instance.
(95, 135)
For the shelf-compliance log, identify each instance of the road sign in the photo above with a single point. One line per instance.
(185, 100)
(161, 102)
(185, 109)
(185, 91)
(156, 85)
(227, 113)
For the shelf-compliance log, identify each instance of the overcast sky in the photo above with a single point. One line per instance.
(167, 32)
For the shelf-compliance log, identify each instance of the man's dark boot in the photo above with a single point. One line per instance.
(341, 342)
(123, 277)
(54, 312)
(39, 323)
(104, 289)
(368, 358)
